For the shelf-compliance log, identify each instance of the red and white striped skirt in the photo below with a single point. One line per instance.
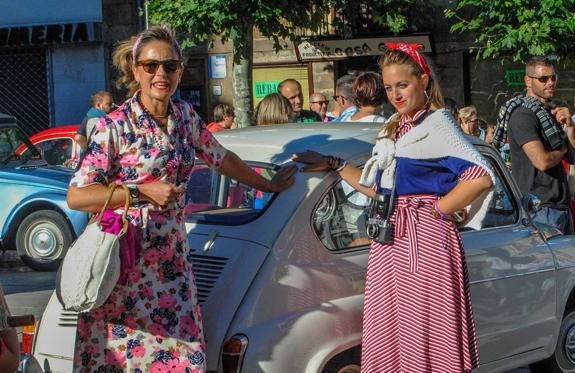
(417, 313)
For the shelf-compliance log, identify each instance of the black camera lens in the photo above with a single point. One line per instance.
(372, 231)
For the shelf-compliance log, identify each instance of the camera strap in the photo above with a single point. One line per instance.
(379, 197)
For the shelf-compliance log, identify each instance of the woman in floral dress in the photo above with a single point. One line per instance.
(151, 321)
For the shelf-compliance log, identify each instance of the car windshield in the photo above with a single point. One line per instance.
(216, 199)
(12, 143)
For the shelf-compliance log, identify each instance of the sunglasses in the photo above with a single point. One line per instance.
(545, 78)
(152, 66)
(338, 96)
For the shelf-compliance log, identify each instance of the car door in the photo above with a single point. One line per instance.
(511, 271)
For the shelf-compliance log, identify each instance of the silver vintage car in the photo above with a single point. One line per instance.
(281, 277)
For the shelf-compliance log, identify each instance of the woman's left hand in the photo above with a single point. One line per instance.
(283, 179)
(315, 160)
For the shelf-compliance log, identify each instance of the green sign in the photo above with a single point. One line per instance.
(262, 89)
(514, 77)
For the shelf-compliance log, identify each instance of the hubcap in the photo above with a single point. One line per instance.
(570, 344)
(43, 240)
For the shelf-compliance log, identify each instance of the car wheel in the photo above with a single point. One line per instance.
(42, 240)
(563, 359)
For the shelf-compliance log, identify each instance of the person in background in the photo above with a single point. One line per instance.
(451, 105)
(9, 345)
(223, 118)
(274, 109)
(468, 121)
(368, 94)
(318, 103)
(291, 89)
(152, 322)
(489, 132)
(102, 103)
(536, 164)
(334, 113)
(417, 315)
(343, 97)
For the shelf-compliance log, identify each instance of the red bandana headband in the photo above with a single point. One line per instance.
(411, 50)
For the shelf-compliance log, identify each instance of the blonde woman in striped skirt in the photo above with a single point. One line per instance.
(417, 313)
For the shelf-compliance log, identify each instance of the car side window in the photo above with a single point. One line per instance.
(502, 209)
(339, 219)
(57, 151)
(212, 197)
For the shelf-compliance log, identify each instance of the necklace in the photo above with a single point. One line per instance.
(155, 116)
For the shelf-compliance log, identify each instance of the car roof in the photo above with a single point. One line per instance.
(63, 130)
(7, 119)
(276, 143)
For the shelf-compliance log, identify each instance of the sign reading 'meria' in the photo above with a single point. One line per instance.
(50, 34)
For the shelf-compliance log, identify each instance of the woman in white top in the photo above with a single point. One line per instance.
(368, 94)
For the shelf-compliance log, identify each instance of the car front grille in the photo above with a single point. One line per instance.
(68, 318)
(207, 270)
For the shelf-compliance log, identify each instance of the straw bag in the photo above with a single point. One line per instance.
(91, 267)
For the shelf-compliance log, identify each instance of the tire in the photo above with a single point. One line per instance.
(346, 362)
(42, 240)
(563, 359)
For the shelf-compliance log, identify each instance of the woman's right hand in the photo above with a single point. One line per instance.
(315, 160)
(159, 193)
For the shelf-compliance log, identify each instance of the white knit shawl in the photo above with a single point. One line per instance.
(436, 137)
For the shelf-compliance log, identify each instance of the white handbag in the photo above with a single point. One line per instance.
(91, 267)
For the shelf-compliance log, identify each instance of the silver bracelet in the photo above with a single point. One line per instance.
(342, 164)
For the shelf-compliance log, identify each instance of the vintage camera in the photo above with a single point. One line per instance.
(378, 226)
(380, 230)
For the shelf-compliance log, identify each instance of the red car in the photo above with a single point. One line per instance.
(56, 145)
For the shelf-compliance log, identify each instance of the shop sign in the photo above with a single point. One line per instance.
(514, 77)
(262, 89)
(321, 50)
(51, 34)
(217, 67)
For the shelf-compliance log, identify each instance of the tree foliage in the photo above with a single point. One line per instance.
(235, 20)
(201, 19)
(517, 29)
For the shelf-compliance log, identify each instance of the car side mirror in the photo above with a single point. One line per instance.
(531, 204)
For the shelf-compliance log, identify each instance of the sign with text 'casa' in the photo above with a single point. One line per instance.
(322, 50)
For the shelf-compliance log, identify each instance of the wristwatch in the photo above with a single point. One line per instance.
(134, 195)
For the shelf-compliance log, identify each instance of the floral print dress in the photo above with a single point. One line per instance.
(152, 323)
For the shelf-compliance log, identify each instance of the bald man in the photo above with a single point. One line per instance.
(291, 89)
(318, 103)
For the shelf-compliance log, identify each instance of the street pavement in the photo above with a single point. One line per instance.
(28, 291)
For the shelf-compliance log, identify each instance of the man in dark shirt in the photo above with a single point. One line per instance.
(537, 169)
(291, 89)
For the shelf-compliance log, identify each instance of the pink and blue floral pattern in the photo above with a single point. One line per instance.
(153, 322)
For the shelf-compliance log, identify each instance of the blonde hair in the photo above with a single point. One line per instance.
(466, 112)
(126, 54)
(274, 109)
(432, 92)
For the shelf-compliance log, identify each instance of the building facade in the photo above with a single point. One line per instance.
(319, 61)
(55, 54)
